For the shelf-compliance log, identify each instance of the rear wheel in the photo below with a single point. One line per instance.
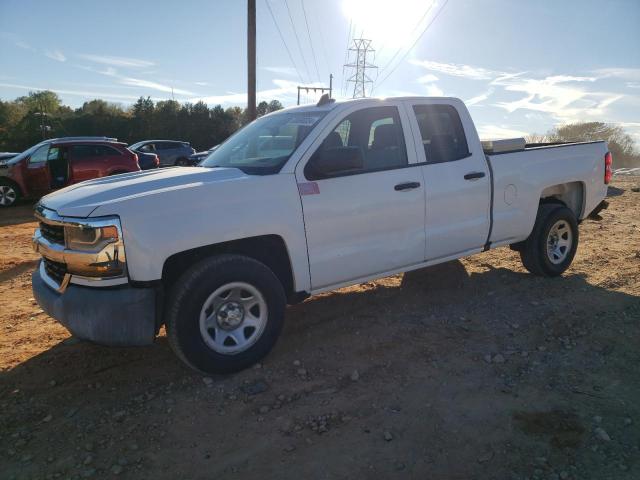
(225, 313)
(9, 193)
(550, 248)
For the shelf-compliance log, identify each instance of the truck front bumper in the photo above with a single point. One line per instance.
(117, 316)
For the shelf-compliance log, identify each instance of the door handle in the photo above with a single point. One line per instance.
(406, 186)
(474, 175)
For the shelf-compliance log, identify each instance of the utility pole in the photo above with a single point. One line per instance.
(362, 48)
(317, 89)
(251, 60)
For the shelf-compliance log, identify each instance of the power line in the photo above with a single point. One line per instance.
(283, 41)
(324, 47)
(382, 70)
(313, 52)
(415, 43)
(295, 32)
(343, 90)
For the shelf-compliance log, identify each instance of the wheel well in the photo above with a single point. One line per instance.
(570, 195)
(8, 181)
(268, 249)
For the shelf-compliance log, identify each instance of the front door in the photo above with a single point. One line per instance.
(38, 178)
(457, 182)
(369, 219)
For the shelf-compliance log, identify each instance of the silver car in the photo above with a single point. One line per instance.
(170, 152)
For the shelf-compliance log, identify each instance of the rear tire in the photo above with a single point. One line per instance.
(9, 193)
(550, 248)
(225, 313)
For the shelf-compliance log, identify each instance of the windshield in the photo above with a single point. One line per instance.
(264, 146)
(24, 154)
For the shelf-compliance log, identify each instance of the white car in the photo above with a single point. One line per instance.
(302, 201)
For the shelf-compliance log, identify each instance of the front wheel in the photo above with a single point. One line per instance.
(9, 194)
(550, 248)
(225, 313)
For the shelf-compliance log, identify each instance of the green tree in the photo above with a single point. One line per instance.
(621, 144)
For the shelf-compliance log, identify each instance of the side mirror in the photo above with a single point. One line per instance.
(328, 162)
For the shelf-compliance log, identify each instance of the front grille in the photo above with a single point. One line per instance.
(53, 233)
(55, 270)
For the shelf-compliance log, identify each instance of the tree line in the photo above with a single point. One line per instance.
(26, 120)
(620, 143)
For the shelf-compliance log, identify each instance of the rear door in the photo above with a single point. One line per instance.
(369, 220)
(112, 160)
(167, 152)
(85, 162)
(457, 181)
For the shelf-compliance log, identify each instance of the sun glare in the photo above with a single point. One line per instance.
(388, 24)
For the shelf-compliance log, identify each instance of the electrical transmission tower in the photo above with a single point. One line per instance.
(362, 49)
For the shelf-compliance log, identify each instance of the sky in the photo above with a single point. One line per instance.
(520, 66)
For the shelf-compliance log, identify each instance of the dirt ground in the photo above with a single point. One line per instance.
(470, 370)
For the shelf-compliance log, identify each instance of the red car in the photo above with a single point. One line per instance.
(59, 162)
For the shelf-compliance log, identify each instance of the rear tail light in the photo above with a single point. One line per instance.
(157, 160)
(608, 167)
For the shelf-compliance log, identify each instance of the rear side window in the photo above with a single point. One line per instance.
(167, 145)
(442, 133)
(83, 152)
(106, 151)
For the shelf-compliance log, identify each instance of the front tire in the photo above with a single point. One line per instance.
(225, 313)
(9, 193)
(550, 248)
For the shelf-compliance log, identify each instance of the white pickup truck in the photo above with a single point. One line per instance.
(302, 201)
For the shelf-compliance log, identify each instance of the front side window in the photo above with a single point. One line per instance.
(40, 155)
(368, 140)
(265, 145)
(53, 154)
(442, 133)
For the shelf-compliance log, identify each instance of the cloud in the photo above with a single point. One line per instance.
(56, 55)
(137, 82)
(78, 93)
(282, 70)
(457, 70)
(117, 61)
(429, 82)
(499, 131)
(623, 73)
(479, 98)
(284, 91)
(17, 41)
(558, 96)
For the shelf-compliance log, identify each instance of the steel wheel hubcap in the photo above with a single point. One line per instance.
(7, 195)
(233, 318)
(559, 242)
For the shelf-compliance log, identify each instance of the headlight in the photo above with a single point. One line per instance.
(90, 239)
(98, 251)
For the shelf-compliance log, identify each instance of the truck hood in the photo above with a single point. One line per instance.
(81, 199)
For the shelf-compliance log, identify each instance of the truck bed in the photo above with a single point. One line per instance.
(518, 177)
